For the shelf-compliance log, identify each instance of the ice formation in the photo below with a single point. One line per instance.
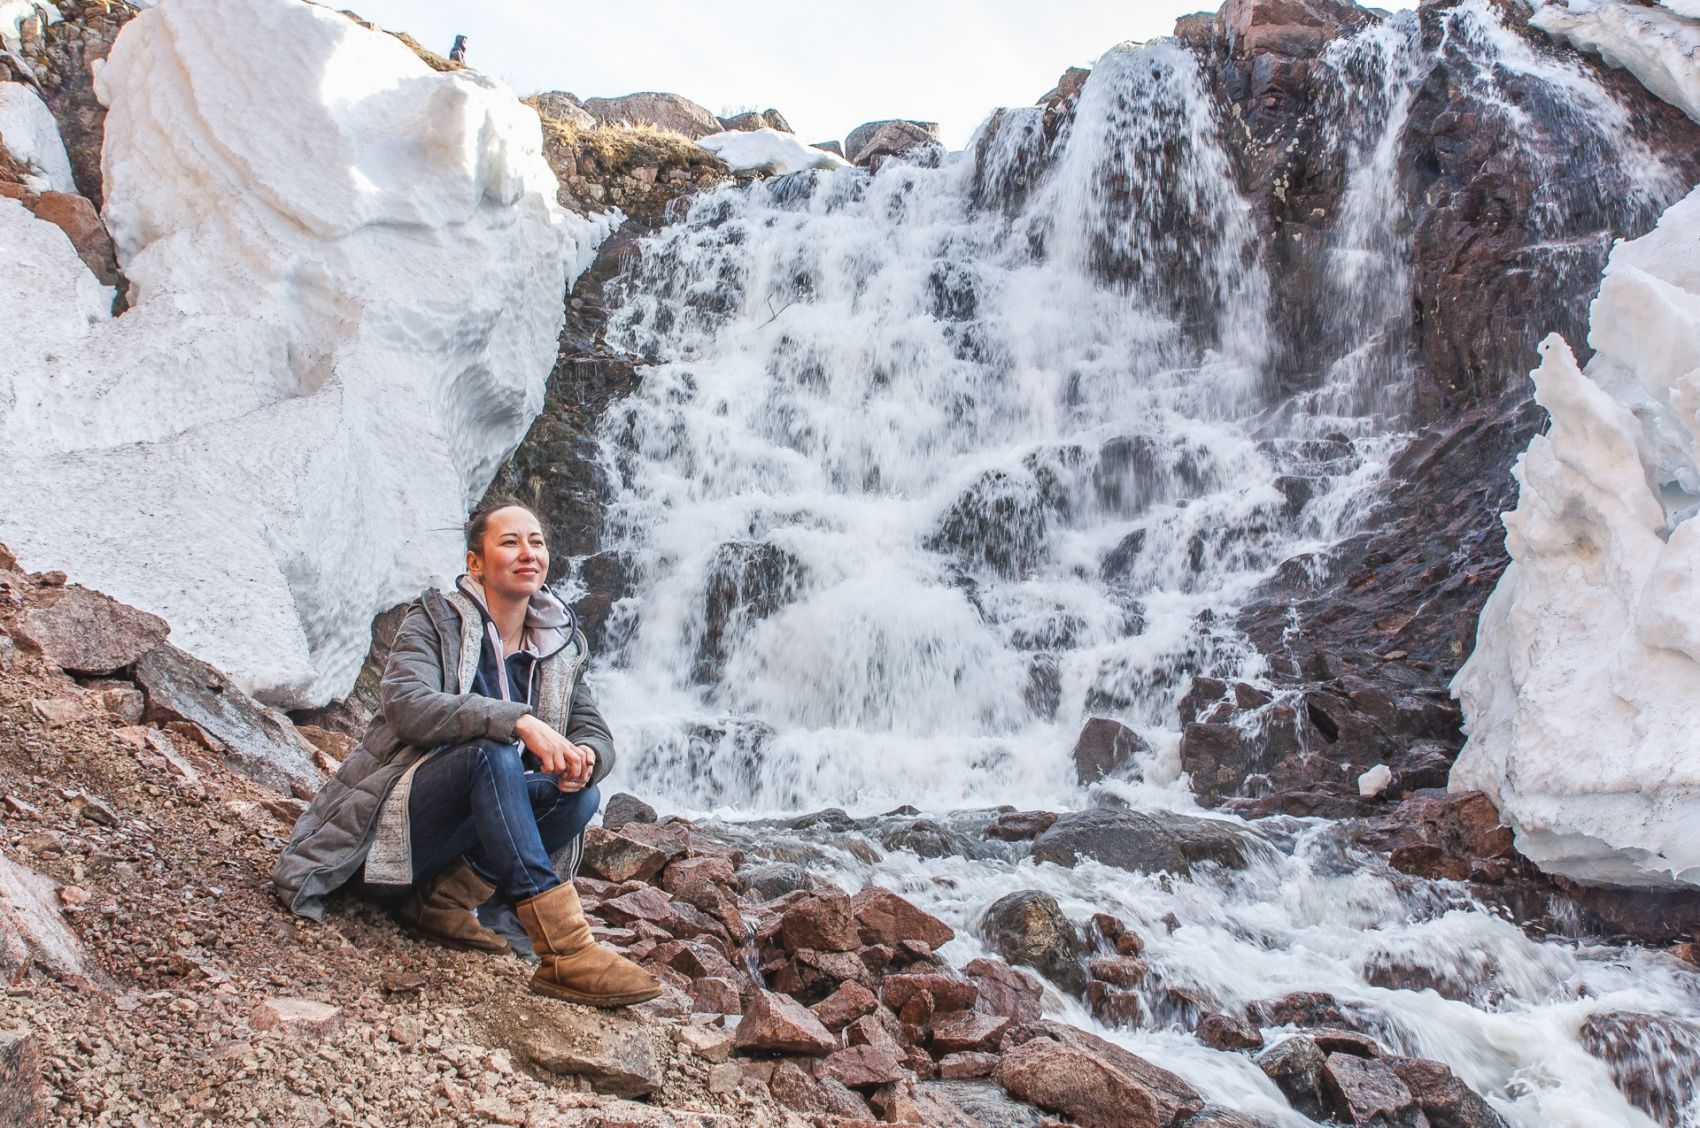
(768, 150)
(1579, 698)
(346, 274)
(1656, 43)
(31, 138)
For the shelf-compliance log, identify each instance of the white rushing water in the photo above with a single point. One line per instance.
(931, 465)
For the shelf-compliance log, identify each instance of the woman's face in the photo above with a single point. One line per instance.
(514, 562)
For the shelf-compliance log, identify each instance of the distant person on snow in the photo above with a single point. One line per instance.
(481, 763)
(457, 53)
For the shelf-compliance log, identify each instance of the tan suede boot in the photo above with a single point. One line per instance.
(573, 966)
(442, 909)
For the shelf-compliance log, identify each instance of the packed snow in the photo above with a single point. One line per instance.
(768, 150)
(30, 137)
(1658, 44)
(1579, 698)
(346, 273)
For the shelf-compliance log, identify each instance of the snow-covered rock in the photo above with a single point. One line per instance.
(14, 12)
(768, 150)
(1580, 698)
(1659, 43)
(346, 273)
(30, 137)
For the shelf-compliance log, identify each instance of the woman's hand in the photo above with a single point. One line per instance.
(556, 755)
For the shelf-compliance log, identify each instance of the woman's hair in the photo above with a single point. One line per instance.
(480, 520)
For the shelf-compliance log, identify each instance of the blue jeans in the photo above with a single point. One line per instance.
(479, 800)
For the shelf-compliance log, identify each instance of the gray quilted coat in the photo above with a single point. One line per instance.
(359, 817)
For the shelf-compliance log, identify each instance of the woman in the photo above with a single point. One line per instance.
(482, 761)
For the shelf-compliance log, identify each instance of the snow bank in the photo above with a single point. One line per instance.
(347, 274)
(1659, 45)
(30, 137)
(1580, 698)
(768, 150)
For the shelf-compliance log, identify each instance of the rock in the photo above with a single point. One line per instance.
(967, 1065)
(811, 975)
(672, 838)
(1295, 1064)
(561, 106)
(1224, 1032)
(614, 857)
(711, 1045)
(32, 930)
(259, 742)
(1094, 1083)
(615, 1053)
(967, 1031)
(686, 872)
(402, 983)
(1142, 841)
(158, 750)
(862, 1067)
(696, 959)
(624, 808)
(85, 632)
(949, 992)
(826, 922)
(1362, 1091)
(775, 879)
(77, 217)
(1106, 748)
(1118, 971)
(715, 995)
(845, 1005)
(882, 917)
(1331, 1041)
(832, 147)
(746, 122)
(295, 1016)
(983, 1101)
(776, 120)
(1005, 990)
(1029, 928)
(1444, 1099)
(773, 1023)
(1287, 27)
(887, 139)
(665, 111)
(902, 1102)
(1302, 1008)
(23, 1097)
(123, 702)
(1654, 1059)
(56, 712)
(1019, 826)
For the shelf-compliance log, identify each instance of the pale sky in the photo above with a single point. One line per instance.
(827, 67)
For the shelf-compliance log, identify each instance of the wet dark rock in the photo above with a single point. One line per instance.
(1019, 826)
(1142, 841)
(623, 809)
(1004, 990)
(1654, 1060)
(774, 879)
(1444, 1099)
(1029, 928)
(1362, 1091)
(747, 582)
(887, 138)
(1106, 748)
(1224, 1032)
(1296, 1065)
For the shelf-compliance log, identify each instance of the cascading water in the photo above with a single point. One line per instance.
(931, 465)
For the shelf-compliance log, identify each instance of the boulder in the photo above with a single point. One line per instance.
(832, 147)
(1295, 1065)
(32, 930)
(826, 922)
(1019, 826)
(1094, 1083)
(614, 857)
(849, 1002)
(776, 120)
(948, 992)
(967, 1065)
(747, 122)
(1143, 841)
(862, 1067)
(773, 1023)
(664, 111)
(1005, 990)
(1287, 27)
(623, 809)
(985, 1102)
(88, 633)
(967, 1031)
(888, 138)
(23, 1097)
(259, 742)
(1225, 1032)
(77, 218)
(1365, 1091)
(615, 1052)
(1029, 928)
(1106, 748)
(774, 879)
(1444, 1099)
(882, 917)
(558, 105)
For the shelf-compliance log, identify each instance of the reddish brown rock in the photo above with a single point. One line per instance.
(687, 871)
(1332, 1041)
(812, 975)
(845, 1005)
(21, 1088)
(1005, 990)
(824, 922)
(623, 809)
(696, 959)
(81, 223)
(1363, 1091)
(1287, 27)
(1118, 971)
(882, 917)
(1094, 1083)
(1654, 1059)
(671, 838)
(1302, 1008)
(862, 1067)
(299, 1016)
(644, 904)
(1106, 748)
(773, 1023)
(1020, 826)
(85, 632)
(967, 1066)
(1115, 1006)
(967, 1031)
(1224, 1032)
(715, 995)
(948, 992)
(1444, 1099)
(614, 857)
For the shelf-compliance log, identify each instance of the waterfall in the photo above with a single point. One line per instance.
(928, 466)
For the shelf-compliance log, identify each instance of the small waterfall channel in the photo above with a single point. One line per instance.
(929, 466)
